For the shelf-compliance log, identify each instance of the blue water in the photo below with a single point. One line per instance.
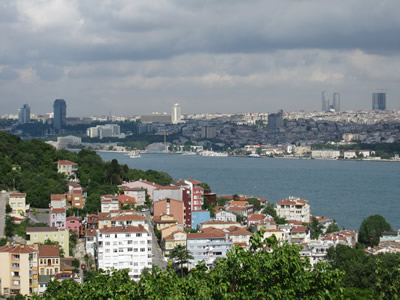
(347, 191)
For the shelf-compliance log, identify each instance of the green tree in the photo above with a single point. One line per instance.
(333, 227)
(316, 228)
(255, 202)
(8, 208)
(181, 254)
(270, 210)
(205, 186)
(371, 230)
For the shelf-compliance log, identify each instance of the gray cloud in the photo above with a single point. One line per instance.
(209, 49)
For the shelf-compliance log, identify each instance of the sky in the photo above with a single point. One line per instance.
(133, 57)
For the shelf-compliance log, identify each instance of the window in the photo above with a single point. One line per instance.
(142, 249)
(128, 235)
(138, 234)
(62, 235)
(130, 249)
(107, 243)
(121, 250)
(107, 236)
(115, 250)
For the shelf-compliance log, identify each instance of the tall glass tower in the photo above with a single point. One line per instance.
(24, 114)
(379, 101)
(60, 113)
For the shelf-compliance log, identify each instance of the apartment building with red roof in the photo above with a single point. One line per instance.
(294, 208)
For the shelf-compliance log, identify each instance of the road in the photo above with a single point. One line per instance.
(158, 258)
(3, 201)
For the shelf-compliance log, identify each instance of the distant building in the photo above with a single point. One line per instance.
(156, 118)
(324, 102)
(330, 154)
(336, 101)
(176, 114)
(208, 132)
(275, 121)
(24, 114)
(60, 114)
(102, 131)
(65, 141)
(379, 101)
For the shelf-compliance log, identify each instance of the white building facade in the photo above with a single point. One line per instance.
(124, 248)
(294, 208)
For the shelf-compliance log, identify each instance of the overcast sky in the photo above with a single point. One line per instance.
(131, 57)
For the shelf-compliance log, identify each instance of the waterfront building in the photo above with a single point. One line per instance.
(378, 101)
(19, 270)
(325, 154)
(41, 234)
(124, 247)
(17, 201)
(196, 192)
(176, 114)
(24, 114)
(208, 245)
(156, 118)
(102, 131)
(60, 113)
(294, 208)
(142, 184)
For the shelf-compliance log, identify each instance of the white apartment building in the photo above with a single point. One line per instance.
(294, 208)
(208, 245)
(69, 168)
(225, 216)
(138, 193)
(109, 203)
(124, 248)
(102, 131)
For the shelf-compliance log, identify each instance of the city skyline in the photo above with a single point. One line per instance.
(247, 56)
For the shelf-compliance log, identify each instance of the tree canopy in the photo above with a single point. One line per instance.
(371, 230)
(276, 273)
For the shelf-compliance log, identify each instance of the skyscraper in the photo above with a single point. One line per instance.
(24, 114)
(60, 113)
(325, 103)
(379, 101)
(336, 101)
(176, 114)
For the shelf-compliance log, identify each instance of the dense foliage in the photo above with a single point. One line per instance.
(270, 210)
(277, 273)
(365, 274)
(371, 230)
(30, 167)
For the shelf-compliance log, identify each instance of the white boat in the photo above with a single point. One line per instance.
(254, 155)
(189, 153)
(133, 154)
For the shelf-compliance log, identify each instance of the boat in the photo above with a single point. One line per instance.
(254, 155)
(189, 153)
(133, 154)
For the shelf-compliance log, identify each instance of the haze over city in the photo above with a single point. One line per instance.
(134, 57)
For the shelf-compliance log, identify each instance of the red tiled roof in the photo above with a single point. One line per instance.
(90, 232)
(257, 217)
(73, 218)
(238, 203)
(234, 230)
(49, 251)
(219, 222)
(128, 218)
(18, 249)
(17, 195)
(216, 234)
(57, 210)
(299, 228)
(66, 162)
(169, 188)
(123, 199)
(57, 196)
(194, 181)
(121, 229)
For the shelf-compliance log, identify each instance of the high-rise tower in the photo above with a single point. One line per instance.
(336, 101)
(176, 114)
(379, 101)
(60, 113)
(24, 114)
(325, 103)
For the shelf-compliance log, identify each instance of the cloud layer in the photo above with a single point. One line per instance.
(131, 57)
